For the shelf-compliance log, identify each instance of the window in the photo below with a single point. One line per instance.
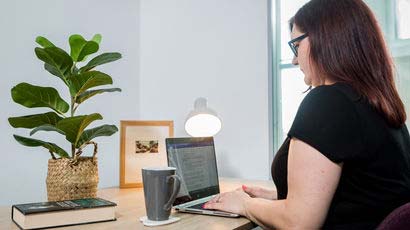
(395, 21)
(288, 83)
(287, 10)
(402, 58)
(403, 22)
(293, 86)
(398, 30)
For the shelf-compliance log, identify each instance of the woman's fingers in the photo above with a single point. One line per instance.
(214, 205)
(233, 202)
(210, 203)
(251, 191)
(216, 199)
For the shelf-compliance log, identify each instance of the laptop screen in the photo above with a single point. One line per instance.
(195, 161)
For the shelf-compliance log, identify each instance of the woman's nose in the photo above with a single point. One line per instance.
(295, 60)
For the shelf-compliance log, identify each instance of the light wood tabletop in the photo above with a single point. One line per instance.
(131, 206)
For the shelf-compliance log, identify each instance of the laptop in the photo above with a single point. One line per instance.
(195, 160)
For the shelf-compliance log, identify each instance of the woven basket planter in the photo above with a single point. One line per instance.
(67, 180)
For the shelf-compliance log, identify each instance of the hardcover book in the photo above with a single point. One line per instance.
(62, 213)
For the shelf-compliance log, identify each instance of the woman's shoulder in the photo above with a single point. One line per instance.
(331, 97)
(335, 91)
(327, 119)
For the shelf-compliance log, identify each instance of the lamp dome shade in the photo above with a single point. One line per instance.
(202, 121)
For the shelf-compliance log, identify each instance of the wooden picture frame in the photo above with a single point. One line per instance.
(142, 144)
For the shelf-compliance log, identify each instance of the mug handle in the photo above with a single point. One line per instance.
(177, 184)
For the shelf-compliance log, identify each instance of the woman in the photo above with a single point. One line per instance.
(346, 161)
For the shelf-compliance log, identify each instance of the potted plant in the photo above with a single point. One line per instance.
(70, 175)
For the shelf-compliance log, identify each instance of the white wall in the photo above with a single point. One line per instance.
(23, 170)
(215, 49)
(182, 49)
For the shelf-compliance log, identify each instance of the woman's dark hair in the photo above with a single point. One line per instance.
(347, 45)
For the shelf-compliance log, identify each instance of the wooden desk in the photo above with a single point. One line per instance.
(131, 207)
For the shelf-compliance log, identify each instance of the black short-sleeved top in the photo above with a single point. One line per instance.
(344, 127)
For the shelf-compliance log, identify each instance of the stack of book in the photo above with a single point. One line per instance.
(62, 213)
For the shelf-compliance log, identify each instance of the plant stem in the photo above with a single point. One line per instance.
(72, 150)
(52, 155)
(72, 106)
(72, 114)
(75, 108)
(73, 67)
(73, 111)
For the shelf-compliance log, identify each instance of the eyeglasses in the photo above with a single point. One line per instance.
(295, 47)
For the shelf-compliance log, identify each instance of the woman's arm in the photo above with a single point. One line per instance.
(312, 182)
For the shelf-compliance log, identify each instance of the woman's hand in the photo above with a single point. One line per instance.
(233, 202)
(259, 192)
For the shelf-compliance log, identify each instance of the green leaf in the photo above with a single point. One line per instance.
(44, 42)
(89, 134)
(89, 48)
(99, 60)
(46, 128)
(32, 96)
(57, 61)
(35, 120)
(87, 94)
(80, 47)
(80, 83)
(36, 143)
(74, 126)
(97, 38)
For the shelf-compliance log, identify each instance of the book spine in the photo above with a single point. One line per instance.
(12, 218)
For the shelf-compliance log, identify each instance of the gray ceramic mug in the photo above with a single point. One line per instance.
(161, 186)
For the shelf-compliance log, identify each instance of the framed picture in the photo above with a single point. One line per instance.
(142, 145)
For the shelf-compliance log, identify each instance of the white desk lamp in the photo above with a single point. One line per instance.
(202, 121)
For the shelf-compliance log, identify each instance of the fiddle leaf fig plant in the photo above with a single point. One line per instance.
(81, 83)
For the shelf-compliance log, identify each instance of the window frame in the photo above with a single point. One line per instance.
(276, 67)
(275, 125)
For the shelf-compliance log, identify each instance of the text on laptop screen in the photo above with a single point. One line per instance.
(195, 161)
